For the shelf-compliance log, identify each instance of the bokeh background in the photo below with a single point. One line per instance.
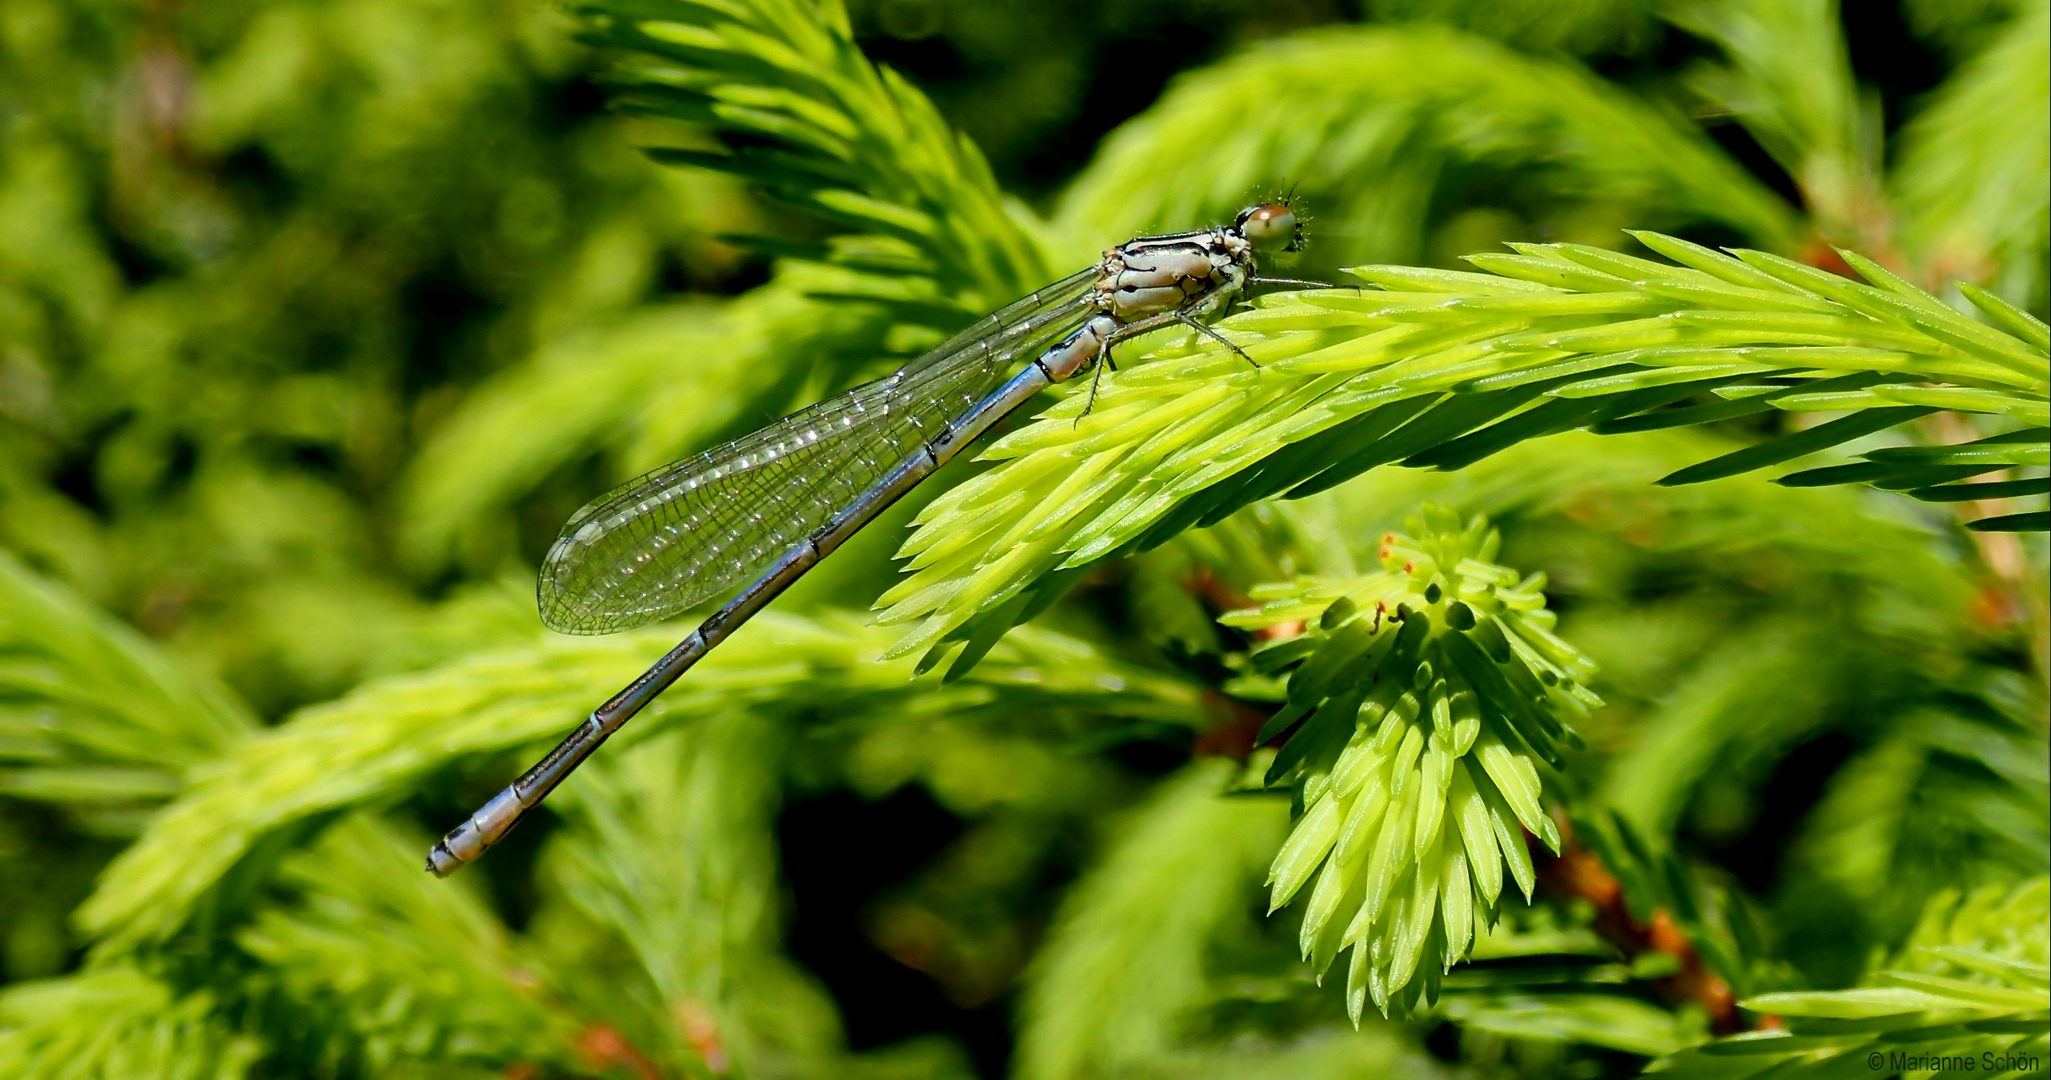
(318, 317)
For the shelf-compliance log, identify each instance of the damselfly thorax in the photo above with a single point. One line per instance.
(1152, 281)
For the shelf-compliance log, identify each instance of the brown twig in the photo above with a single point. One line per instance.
(1579, 874)
(604, 1047)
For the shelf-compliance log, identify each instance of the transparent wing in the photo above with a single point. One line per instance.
(698, 528)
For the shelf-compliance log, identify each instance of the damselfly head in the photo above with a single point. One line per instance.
(1272, 226)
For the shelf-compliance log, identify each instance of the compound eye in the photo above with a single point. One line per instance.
(1269, 225)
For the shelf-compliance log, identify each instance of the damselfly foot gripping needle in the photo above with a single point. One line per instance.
(690, 531)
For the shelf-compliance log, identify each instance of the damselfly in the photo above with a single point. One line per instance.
(765, 508)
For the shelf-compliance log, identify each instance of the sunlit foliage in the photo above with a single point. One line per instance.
(1625, 648)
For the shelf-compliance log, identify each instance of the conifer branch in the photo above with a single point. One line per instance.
(94, 717)
(1971, 983)
(1442, 368)
(1368, 121)
(1788, 81)
(368, 747)
(1970, 188)
(364, 970)
(139, 1026)
(802, 115)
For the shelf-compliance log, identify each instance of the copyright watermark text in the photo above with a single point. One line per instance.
(1987, 1061)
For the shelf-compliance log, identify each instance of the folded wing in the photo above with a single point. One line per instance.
(699, 528)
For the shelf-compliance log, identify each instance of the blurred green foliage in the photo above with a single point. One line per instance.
(317, 317)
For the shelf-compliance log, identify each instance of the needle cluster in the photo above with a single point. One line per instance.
(1427, 695)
